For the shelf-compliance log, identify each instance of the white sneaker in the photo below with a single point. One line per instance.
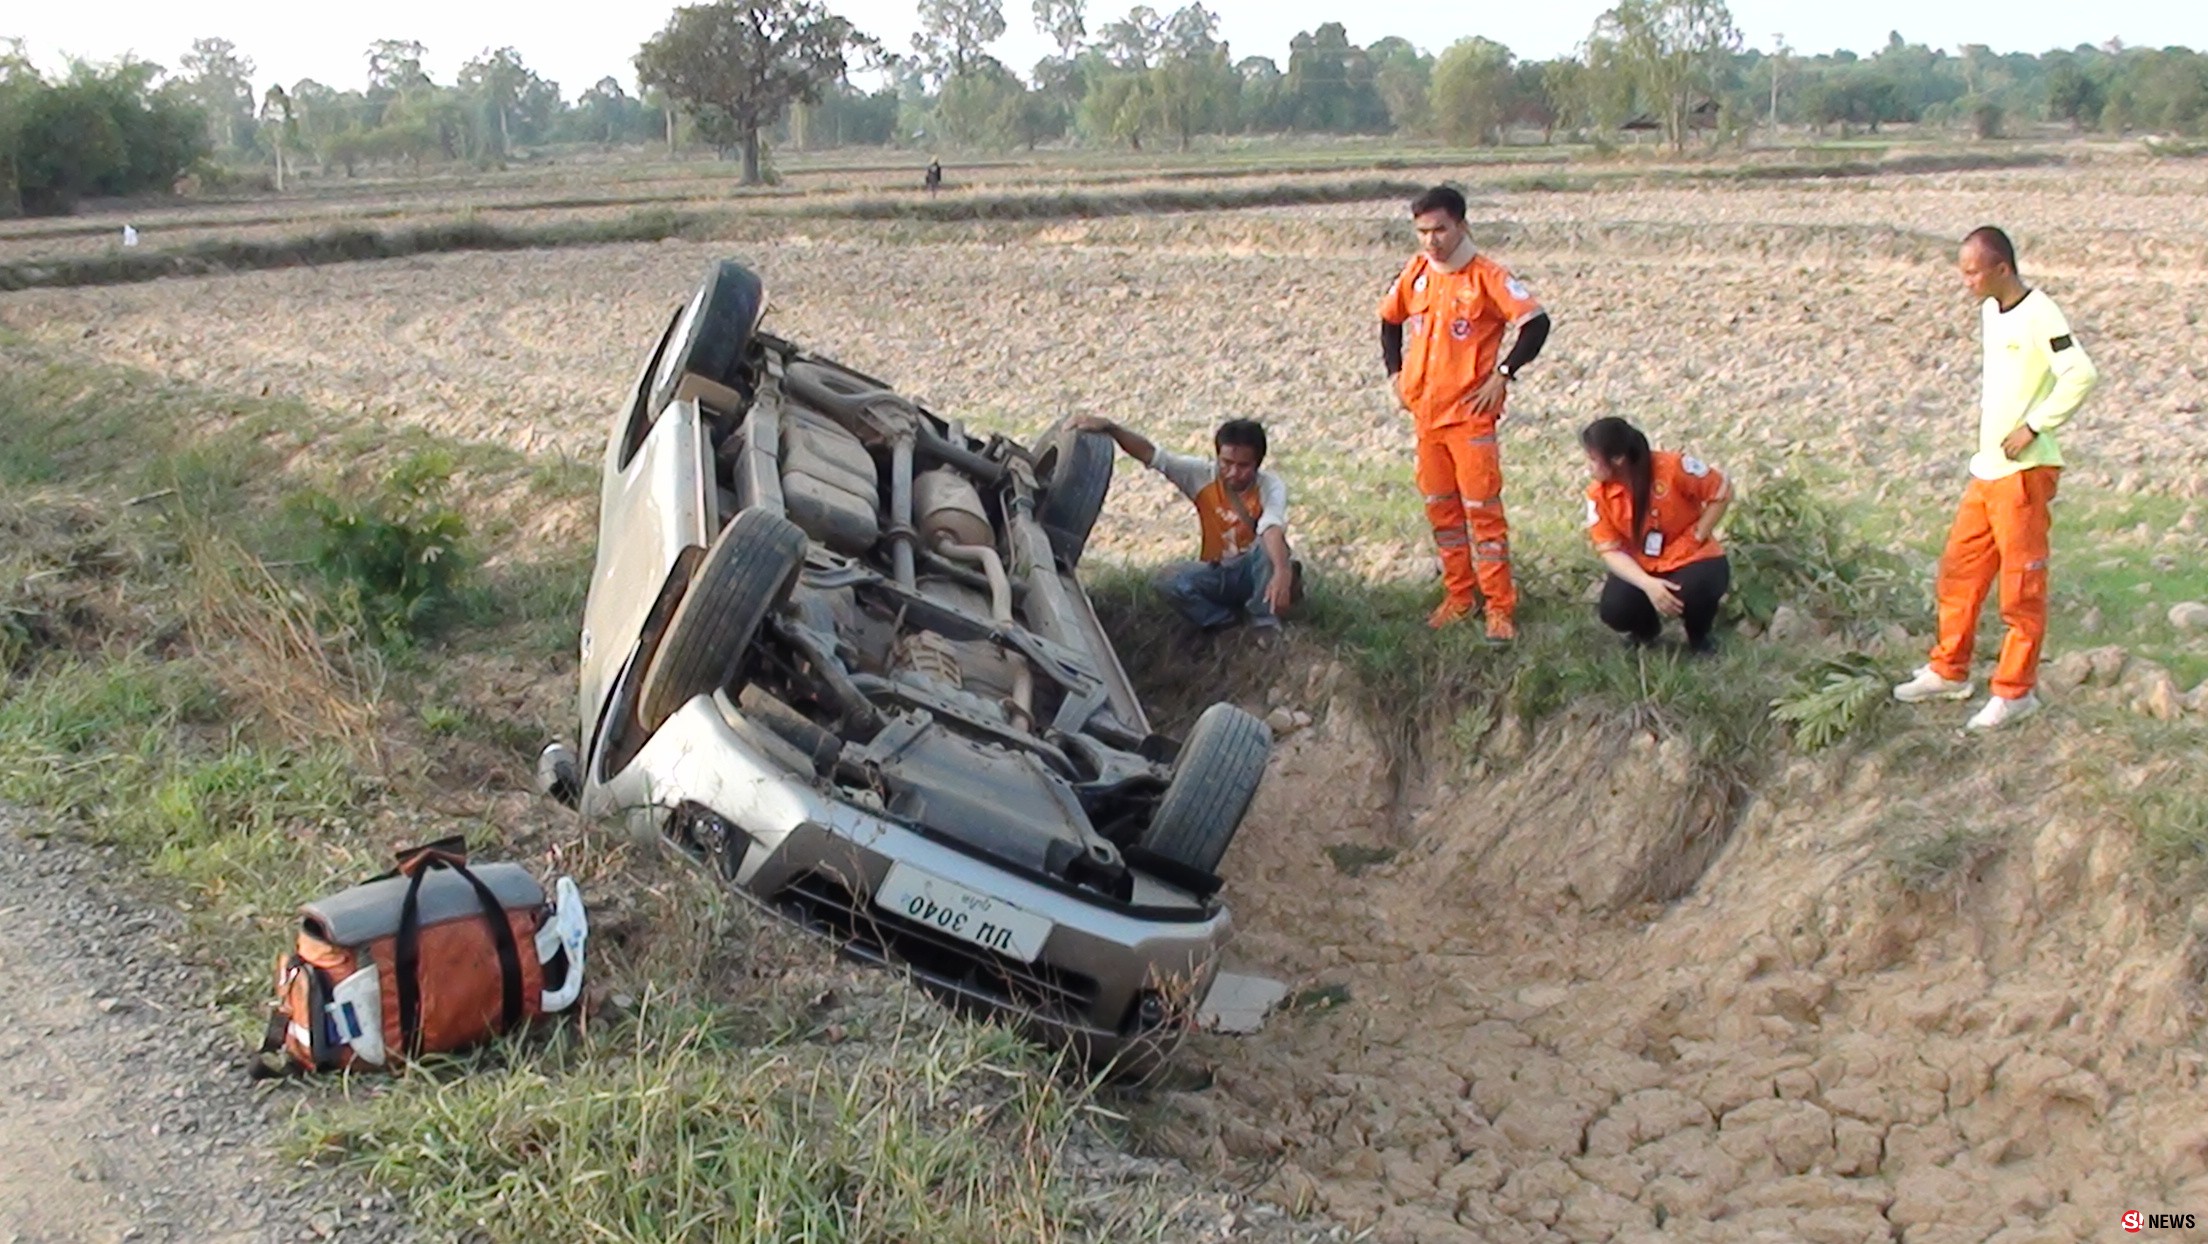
(1999, 711)
(1927, 685)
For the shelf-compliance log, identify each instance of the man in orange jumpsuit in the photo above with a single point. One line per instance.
(2035, 377)
(1441, 329)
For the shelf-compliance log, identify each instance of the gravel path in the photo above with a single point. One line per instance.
(124, 1111)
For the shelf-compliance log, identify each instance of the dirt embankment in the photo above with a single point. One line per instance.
(1528, 1040)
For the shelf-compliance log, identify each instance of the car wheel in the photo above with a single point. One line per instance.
(710, 338)
(1074, 471)
(748, 571)
(1213, 782)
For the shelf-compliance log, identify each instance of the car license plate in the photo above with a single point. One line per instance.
(948, 907)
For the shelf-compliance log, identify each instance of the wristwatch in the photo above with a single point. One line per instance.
(1503, 370)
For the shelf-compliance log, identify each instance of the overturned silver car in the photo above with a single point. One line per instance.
(836, 645)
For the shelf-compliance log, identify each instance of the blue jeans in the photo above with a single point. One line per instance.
(1217, 594)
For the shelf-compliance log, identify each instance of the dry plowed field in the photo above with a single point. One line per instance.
(1793, 1051)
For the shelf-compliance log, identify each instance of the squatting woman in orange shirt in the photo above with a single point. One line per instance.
(1653, 519)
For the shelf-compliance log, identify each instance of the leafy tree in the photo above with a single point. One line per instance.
(984, 106)
(1065, 22)
(1672, 53)
(1404, 77)
(1569, 87)
(1263, 94)
(103, 130)
(1134, 41)
(280, 127)
(395, 68)
(1919, 78)
(1330, 84)
(953, 33)
(1528, 103)
(2072, 95)
(1861, 96)
(1058, 79)
(736, 64)
(1119, 106)
(1193, 88)
(1061, 81)
(18, 82)
(1472, 87)
(2163, 89)
(219, 81)
(845, 116)
(508, 93)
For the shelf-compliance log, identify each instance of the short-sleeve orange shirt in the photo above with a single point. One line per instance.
(1680, 488)
(1453, 325)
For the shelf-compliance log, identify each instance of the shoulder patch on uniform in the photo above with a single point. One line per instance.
(1594, 516)
(1693, 466)
(2059, 344)
(1418, 285)
(1517, 288)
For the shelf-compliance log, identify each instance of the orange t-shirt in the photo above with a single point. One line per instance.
(1680, 488)
(1453, 324)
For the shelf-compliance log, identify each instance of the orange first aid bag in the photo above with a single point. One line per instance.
(432, 957)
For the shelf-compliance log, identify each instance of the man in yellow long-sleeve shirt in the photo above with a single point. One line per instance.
(2036, 376)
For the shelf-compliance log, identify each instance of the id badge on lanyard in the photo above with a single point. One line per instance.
(1653, 545)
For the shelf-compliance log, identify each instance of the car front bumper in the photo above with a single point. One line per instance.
(1106, 982)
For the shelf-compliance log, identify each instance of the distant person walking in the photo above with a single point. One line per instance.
(1652, 516)
(933, 179)
(2036, 375)
(1441, 329)
(1243, 571)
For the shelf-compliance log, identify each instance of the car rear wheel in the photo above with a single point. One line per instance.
(1213, 782)
(1075, 472)
(709, 339)
(748, 571)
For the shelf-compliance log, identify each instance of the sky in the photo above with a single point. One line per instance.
(577, 47)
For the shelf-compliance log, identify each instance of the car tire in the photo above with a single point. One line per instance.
(710, 337)
(748, 571)
(1213, 782)
(1074, 472)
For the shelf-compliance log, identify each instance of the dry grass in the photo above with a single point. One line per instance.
(262, 639)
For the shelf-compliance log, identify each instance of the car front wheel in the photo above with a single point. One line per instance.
(1075, 471)
(1213, 782)
(748, 571)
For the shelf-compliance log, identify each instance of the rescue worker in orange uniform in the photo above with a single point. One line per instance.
(1243, 571)
(1442, 326)
(2035, 377)
(1652, 516)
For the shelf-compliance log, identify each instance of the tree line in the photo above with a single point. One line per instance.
(742, 75)
(1677, 68)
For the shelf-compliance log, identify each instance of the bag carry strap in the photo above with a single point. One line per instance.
(407, 954)
(316, 1022)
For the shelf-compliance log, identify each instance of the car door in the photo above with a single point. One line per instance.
(651, 507)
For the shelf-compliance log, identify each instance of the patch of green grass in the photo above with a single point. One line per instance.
(140, 754)
(534, 606)
(1351, 859)
(92, 424)
(1837, 700)
(1930, 863)
(1317, 998)
(2119, 562)
(676, 1126)
(2172, 825)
